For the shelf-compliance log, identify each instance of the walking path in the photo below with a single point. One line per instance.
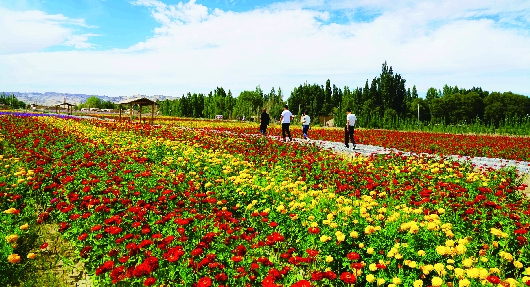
(523, 167)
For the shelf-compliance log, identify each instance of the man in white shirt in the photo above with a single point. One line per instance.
(305, 124)
(349, 129)
(285, 119)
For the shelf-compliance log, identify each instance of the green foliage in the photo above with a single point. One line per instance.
(95, 102)
(11, 101)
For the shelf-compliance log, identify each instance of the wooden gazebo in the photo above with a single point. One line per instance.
(69, 107)
(142, 102)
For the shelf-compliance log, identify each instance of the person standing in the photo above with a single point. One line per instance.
(264, 122)
(285, 119)
(305, 120)
(349, 129)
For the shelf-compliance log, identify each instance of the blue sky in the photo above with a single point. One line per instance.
(126, 47)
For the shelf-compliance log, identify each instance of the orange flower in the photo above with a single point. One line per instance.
(31, 255)
(13, 258)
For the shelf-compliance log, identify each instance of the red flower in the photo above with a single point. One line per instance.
(273, 224)
(330, 275)
(221, 277)
(44, 245)
(82, 237)
(302, 283)
(107, 266)
(237, 258)
(348, 278)
(313, 230)
(317, 276)
(149, 281)
(196, 252)
(493, 279)
(312, 252)
(354, 256)
(204, 282)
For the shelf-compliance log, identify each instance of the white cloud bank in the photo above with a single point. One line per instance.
(195, 49)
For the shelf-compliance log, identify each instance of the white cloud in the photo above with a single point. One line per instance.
(195, 49)
(32, 31)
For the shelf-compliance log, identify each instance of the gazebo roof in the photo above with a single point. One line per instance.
(138, 101)
(65, 104)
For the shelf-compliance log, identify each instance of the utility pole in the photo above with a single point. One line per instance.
(418, 113)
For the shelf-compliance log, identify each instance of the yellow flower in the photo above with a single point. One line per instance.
(24, 227)
(464, 283)
(329, 259)
(10, 210)
(472, 273)
(31, 255)
(512, 282)
(324, 238)
(340, 236)
(518, 264)
(380, 281)
(437, 281)
(361, 245)
(370, 278)
(12, 238)
(439, 267)
(396, 280)
(506, 256)
(421, 253)
(370, 251)
(372, 267)
(468, 262)
(354, 234)
(459, 272)
(418, 283)
(13, 258)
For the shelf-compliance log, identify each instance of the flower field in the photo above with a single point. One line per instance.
(180, 205)
(492, 146)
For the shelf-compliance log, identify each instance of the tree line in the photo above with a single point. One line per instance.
(383, 100)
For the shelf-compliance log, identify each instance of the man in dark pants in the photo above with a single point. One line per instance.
(285, 119)
(264, 122)
(349, 129)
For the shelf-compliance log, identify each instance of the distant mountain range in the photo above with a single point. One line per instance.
(53, 98)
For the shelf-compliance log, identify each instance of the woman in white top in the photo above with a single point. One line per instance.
(349, 129)
(285, 120)
(305, 120)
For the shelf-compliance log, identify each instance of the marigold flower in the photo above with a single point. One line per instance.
(418, 283)
(24, 226)
(31, 255)
(13, 258)
(329, 259)
(380, 281)
(370, 278)
(396, 280)
(12, 238)
(437, 281)
(464, 283)
(11, 211)
(518, 264)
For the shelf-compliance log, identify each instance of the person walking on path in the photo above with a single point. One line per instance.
(305, 120)
(285, 119)
(349, 129)
(264, 122)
